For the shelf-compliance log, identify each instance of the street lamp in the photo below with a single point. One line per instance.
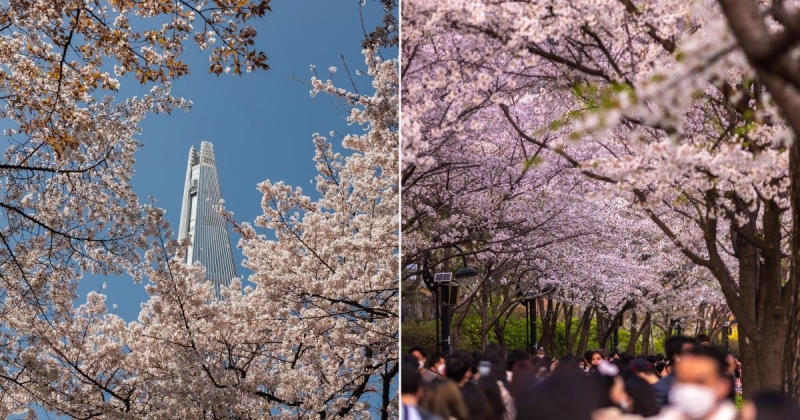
(676, 323)
(446, 294)
(616, 334)
(529, 300)
(466, 274)
(725, 332)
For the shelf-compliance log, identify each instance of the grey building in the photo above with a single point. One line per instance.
(211, 244)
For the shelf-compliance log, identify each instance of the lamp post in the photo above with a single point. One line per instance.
(725, 332)
(529, 300)
(446, 294)
(676, 324)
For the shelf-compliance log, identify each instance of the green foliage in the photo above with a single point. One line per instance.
(739, 401)
(418, 334)
(424, 334)
(532, 162)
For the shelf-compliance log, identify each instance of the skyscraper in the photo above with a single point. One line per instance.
(211, 244)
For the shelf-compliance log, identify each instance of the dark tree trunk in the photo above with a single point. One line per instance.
(386, 395)
(633, 336)
(760, 301)
(646, 331)
(602, 333)
(568, 339)
(775, 68)
(584, 327)
(455, 329)
(749, 358)
(700, 326)
(547, 330)
(552, 315)
(500, 331)
(791, 351)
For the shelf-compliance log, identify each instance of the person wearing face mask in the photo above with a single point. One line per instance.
(411, 391)
(435, 368)
(540, 353)
(419, 354)
(701, 387)
(674, 345)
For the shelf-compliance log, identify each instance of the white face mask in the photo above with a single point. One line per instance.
(695, 401)
(624, 406)
(421, 364)
(440, 369)
(484, 370)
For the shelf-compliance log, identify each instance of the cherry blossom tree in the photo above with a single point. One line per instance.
(58, 57)
(317, 333)
(768, 38)
(67, 205)
(654, 100)
(64, 217)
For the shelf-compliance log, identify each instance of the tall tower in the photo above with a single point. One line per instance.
(211, 245)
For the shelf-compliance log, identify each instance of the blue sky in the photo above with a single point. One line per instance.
(260, 123)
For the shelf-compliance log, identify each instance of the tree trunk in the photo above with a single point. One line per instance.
(386, 395)
(585, 327)
(547, 310)
(500, 330)
(646, 331)
(633, 337)
(552, 315)
(455, 329)
(484, 315)
(769, 357)
(602, 334)
(791, 351)
(773, 70)
(568, 340)
(749, 358)
(761, 348)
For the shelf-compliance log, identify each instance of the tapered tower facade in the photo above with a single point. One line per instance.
(211, 244)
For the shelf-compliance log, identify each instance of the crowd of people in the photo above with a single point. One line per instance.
(693, 381)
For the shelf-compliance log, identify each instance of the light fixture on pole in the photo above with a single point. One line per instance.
(529, 300)
(725, 331)
(676, 323)
(446, 295)
(466, 275)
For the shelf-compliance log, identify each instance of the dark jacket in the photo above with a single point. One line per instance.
(661, 389)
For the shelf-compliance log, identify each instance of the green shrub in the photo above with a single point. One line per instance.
(418, 334)
(424, 334)
(739, 401)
